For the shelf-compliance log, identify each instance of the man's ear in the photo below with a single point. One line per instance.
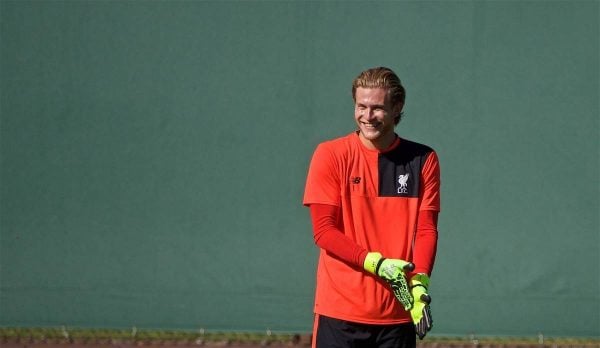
(398, 108)
(398, 112)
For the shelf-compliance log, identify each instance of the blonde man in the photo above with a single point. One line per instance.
(374, 199)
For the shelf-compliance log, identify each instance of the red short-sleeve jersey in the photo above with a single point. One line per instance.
(380, 195)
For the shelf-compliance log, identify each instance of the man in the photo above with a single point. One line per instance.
(374, 199)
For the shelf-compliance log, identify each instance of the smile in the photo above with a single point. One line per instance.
(370, 125)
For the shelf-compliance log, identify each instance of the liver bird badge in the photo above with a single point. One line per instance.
(402, 180)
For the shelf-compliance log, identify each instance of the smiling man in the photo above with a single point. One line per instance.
(374, 199)
(377, 111)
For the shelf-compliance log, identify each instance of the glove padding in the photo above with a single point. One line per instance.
(420, 312)
(392, 271)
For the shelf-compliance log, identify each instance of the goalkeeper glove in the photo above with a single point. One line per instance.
(420, 312)
(392, 271)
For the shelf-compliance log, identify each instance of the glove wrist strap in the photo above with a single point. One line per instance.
(379, 265)
(420, 279)
(371, 262)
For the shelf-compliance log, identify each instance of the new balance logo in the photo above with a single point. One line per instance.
(355, 180)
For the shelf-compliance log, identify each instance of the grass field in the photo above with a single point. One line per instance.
(134, 337)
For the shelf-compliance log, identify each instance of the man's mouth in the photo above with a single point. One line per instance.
(370, 125)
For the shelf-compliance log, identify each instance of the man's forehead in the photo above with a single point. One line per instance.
(376, 94)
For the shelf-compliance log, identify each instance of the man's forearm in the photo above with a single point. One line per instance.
(328, 237)
(425, 246)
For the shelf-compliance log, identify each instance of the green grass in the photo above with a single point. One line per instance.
(498, 341)
(134, 334)
(150, 335)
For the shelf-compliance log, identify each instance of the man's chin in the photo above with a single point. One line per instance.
(370, 135)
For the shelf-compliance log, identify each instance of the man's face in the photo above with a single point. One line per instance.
(374, 115)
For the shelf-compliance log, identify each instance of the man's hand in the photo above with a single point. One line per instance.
(420, 312)
(392, 271)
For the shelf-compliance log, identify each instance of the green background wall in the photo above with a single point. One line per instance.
(153, 157)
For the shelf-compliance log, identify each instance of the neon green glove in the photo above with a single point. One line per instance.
(392, 271)
(420, 312)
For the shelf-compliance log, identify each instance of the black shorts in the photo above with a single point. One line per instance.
(334, 333)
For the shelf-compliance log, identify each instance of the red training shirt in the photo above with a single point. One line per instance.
(376, 198)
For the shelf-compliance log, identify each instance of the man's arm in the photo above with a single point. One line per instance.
(425, 246)
(328, 237)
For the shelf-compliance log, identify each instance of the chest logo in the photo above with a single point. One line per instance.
(403, 181)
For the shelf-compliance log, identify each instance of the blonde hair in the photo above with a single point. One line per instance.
(382, 77)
